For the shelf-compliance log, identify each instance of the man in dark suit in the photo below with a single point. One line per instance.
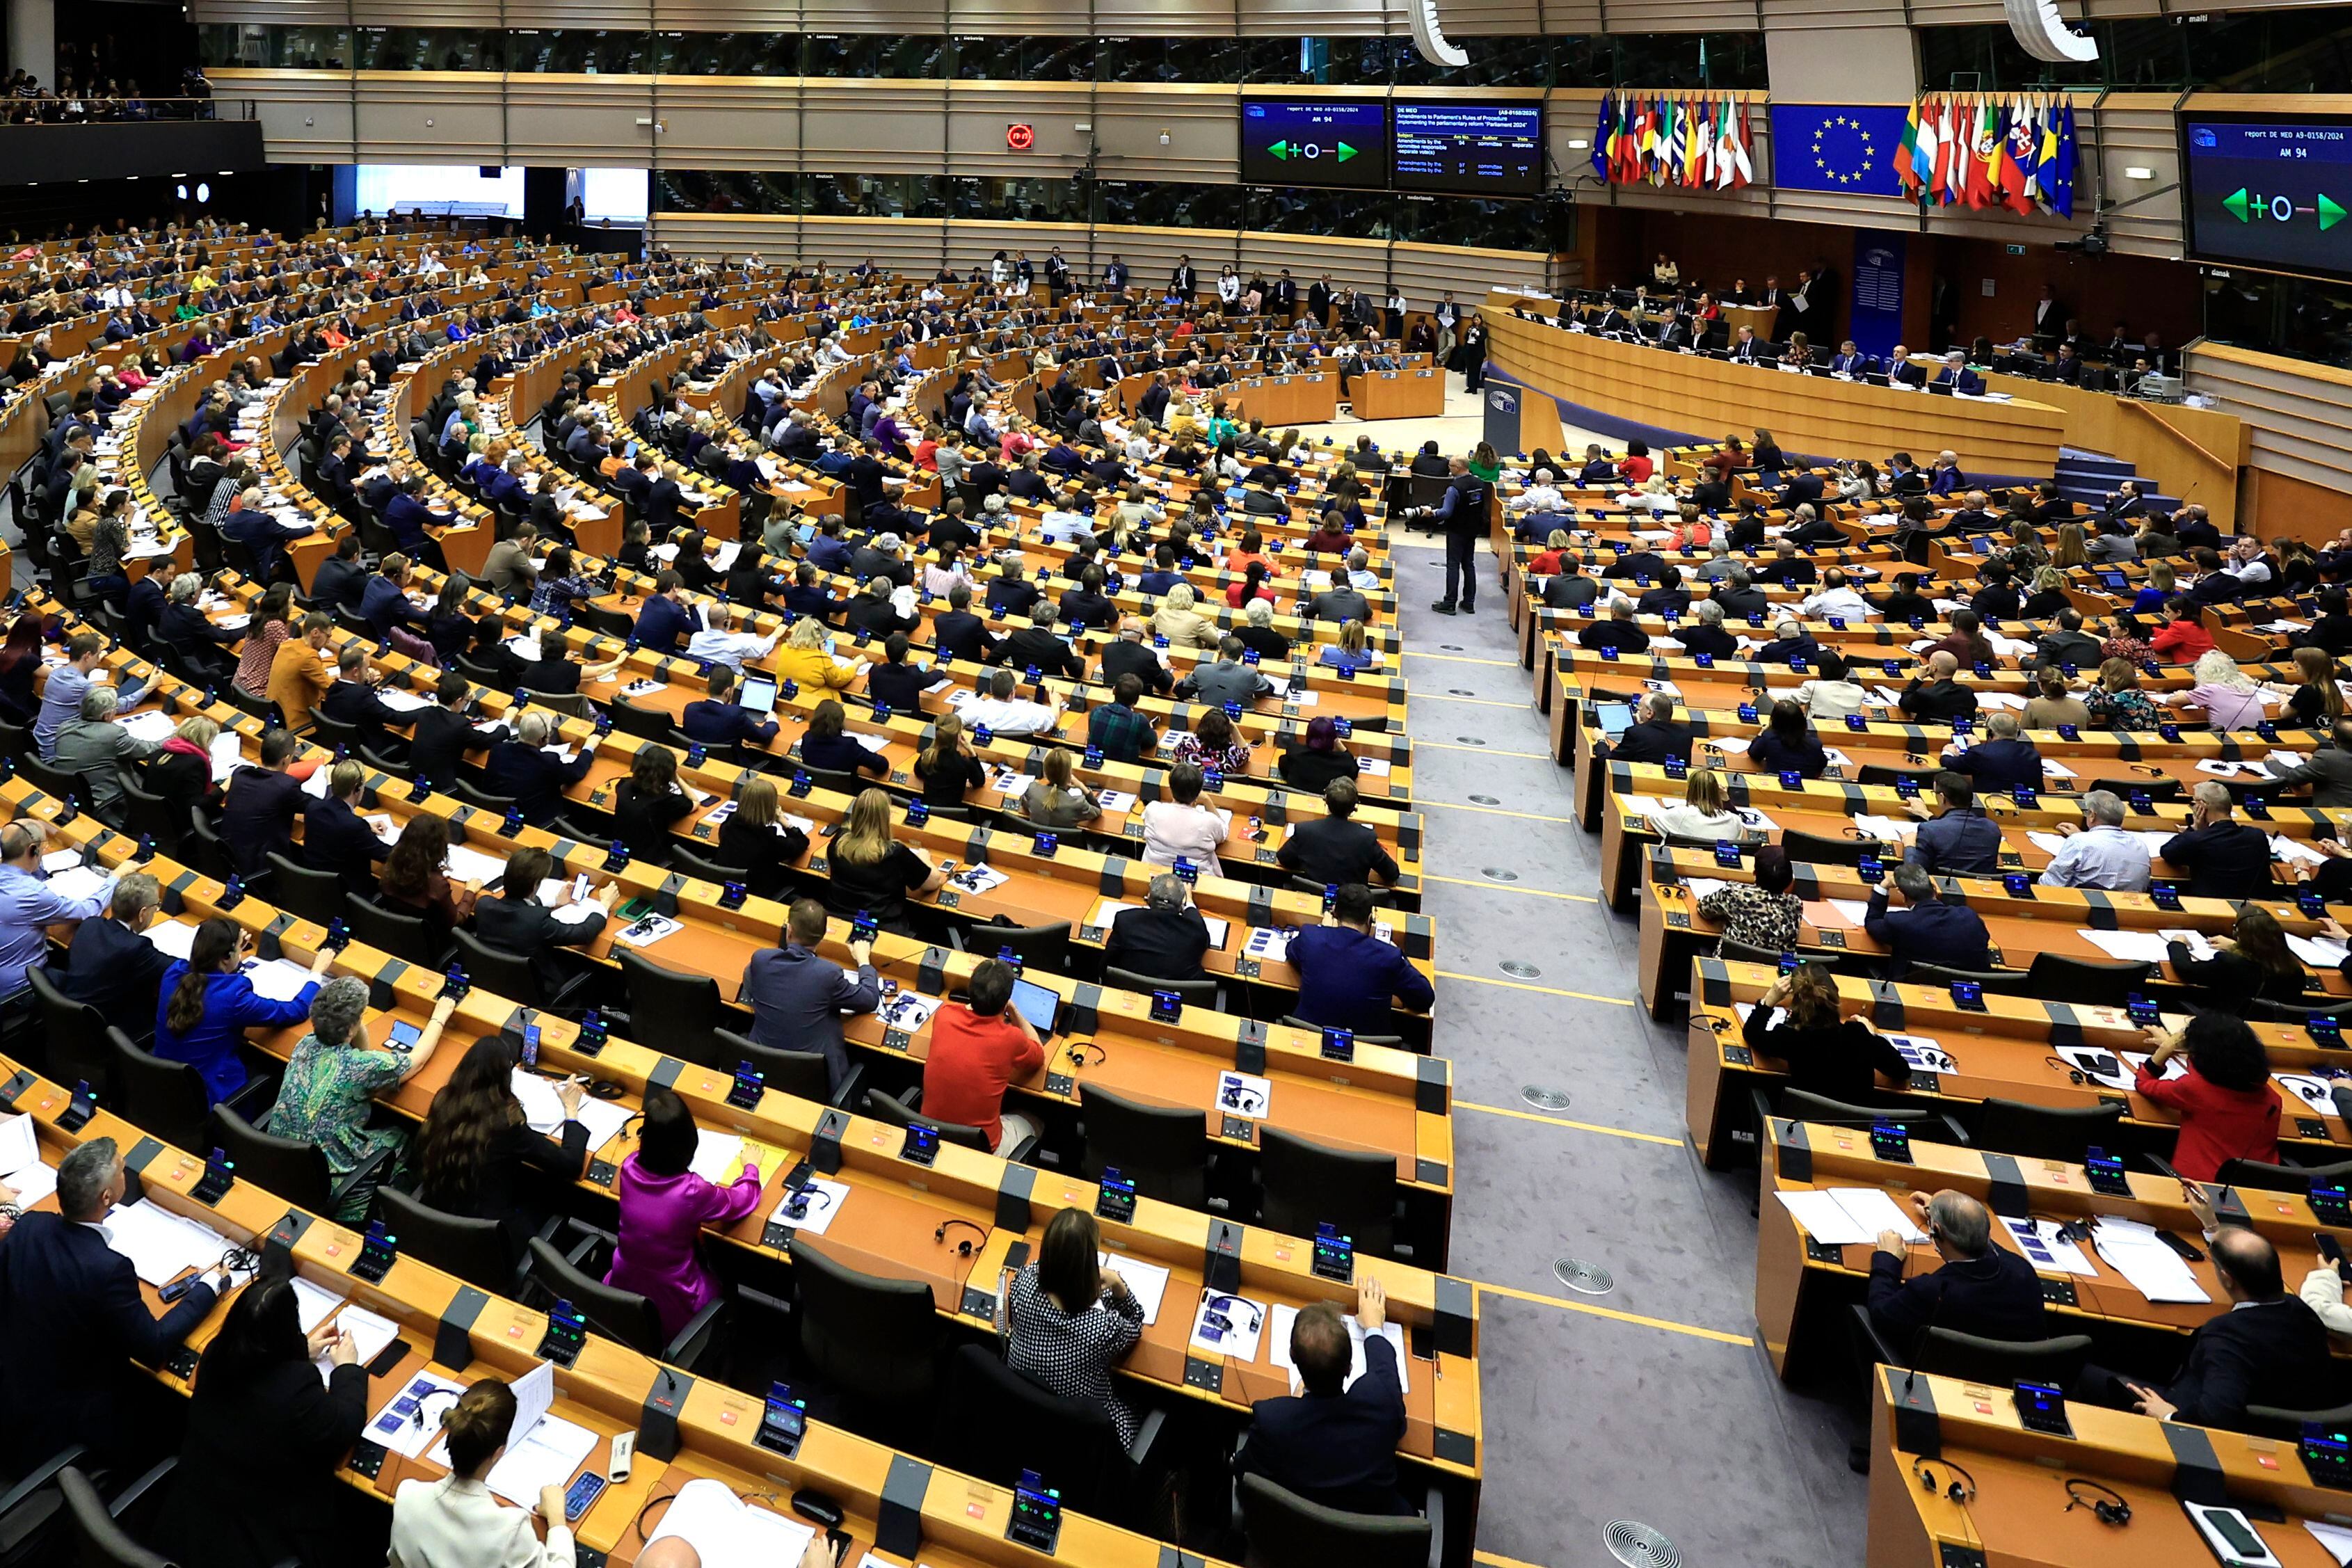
(1981, 1288)
(113, 967)
(2225, 858)
(1957, 375)
(1035, 647)
(1930, 931)
(665, 618)
(76, 1324)
(517, 922)
(1959, 840)
(2070, 644)
(1653, 736)
(1334, 1443)
(2001, 762)
(443, 735)
(353, 700)
(1131, 656)
(1164, 939)
(341, 579)
(1936, 698)
(1739, 596)
(257, 814)
(1902, 370)
(957, 633)
(535, 778)
(718, 720)
(335, 837)
(895, 683)
(798, 998)
(1336, 850)
(2267, 1347)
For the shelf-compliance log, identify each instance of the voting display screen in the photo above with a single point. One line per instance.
(2270, 191)
(1469, 149)
(1314, 142)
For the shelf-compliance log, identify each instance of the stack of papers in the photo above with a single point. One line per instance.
(472, 866)
(544, 1112)
(824, 1202)
(1840, 1216)
(719, 1158)
(2295, 850)
(157, 727)
(161, 1245)
(278, 979)
(2049, 1252)
(1148, 1282)
(21, 1167)
(728, 1532)
(369, 1333)
(227, 754)
(2154, 1269)
(2319, 951)
(82, 882)
(2128, 946)
(1278, 1352)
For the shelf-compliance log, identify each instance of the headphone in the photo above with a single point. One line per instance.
(963, 1248)
(1952, 1487)
(2118, 1513)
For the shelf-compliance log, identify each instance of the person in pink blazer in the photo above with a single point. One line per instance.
(664, 1206)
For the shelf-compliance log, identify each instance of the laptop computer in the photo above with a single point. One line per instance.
(758, 694)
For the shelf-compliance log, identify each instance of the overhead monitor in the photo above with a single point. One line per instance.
(1314, 142)
(2269, 190)
(438, 190)
(1469, 148)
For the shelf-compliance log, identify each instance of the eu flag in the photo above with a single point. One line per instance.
(1846, 148)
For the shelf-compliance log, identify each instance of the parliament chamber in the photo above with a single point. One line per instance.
(891, 787)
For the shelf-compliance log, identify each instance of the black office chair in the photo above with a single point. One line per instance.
(1948, 1352)
(333, 733)
(2261, 1009)
(298, 889)
(1885, 778)
(475, 1250)
(1384, 897)
(570, 703)
(294, 1169)
(1305, 1184)
(72, 1037)
(103, 1528)
(2047, 1133)
(33, 1511)
(1744, 953)
(873, 1340)
(203, 851)
(1803, 1105)
(1996, 982)
(672, 1012)
(474, 794)
(1812, 848)
(168, 1098)
(1045, 947)
(994, 1423)
(1163, 1150)
(903, 1112)
(702, 868)
(2270, 1421)
(2276, 1178)
(151, 817)
(15, 740)
(850, 785)
(617, 1314)
(403, 936)
(804, 1075)
(647, 723)
(509, 974)
(1284, 1530)
(1202, 993)
(2055, 977)
(50, 779)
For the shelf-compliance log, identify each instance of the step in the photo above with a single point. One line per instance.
(2091, 467)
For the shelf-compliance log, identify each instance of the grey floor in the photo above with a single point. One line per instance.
(1590, 1419)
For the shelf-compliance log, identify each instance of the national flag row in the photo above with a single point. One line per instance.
(2017, 153)
(1673, 141)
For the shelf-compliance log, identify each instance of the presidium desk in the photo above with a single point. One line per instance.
(1707, 399)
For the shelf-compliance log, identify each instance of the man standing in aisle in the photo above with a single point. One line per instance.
(1462, 515)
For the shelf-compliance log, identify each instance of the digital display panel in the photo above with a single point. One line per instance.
(1470, 149)
(2270, 191)
(1314, 142)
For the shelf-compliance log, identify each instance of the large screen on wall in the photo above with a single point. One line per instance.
(1469, 148)
(1314, 142)
(2269, 190)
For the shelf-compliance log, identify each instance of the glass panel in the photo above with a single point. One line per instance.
(874, 54)
(2302, 318)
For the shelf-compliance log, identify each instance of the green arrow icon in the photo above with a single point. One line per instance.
(1281, 149)
(1345, 152)
(2235, 206)
(2330, 215)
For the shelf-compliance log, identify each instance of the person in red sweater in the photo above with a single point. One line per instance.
(978, 1049)
(2228, 1108)
(2182, 639)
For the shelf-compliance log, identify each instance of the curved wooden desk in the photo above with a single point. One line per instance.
(1703, 398)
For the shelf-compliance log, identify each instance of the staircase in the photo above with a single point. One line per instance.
(2087, 479)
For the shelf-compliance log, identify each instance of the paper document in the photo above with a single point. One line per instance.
(718, 1158)
(1244, 1094)
(1854, 909)
(1226, 1325)
(1924, 1054)
(978, 879)
(1278, 1352)
(2049, 1252)
(2154, 1269)
(908, 1011)
(2050, 844)
(2319, 951)
(20, 1144)
(472, 866)
(82, 882)
(824, 1202)
(278, 979)
(728, 1532)
(410, 1421)
(312, 1303)
(404, 701)
(157, 727)
(2308, 1087)
(162, 1245)
(648, 931)
(227, 754)
(2101, 1067)
(2126, 946)
(1147, 1282)
(2335, 1538)
(1704, 887)
(369, 1333)
(1887, 829)
(1843, 1217)
(175, 937)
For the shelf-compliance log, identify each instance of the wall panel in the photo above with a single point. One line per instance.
(2298, 411)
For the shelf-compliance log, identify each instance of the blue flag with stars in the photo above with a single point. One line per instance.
(1846, 147)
